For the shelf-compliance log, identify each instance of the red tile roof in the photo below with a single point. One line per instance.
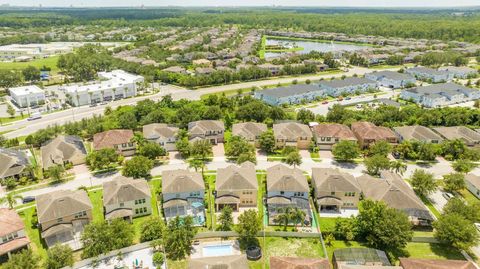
(110, 138)
(10, 221)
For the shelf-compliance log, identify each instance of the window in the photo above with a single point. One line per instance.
(59, 219)
(332, 193)
(80, 214)
(122, 204)
(124, 145)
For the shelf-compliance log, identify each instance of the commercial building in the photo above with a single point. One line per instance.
(27, 96)
(391, 79)
(438, 95)
(113, 85)
(347, 86)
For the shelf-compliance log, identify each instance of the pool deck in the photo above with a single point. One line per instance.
(197, 251)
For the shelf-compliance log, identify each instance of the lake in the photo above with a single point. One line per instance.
(309, 46)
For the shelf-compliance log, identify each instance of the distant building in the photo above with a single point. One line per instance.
(15, 52)
(391, 79)
(460, 71)
(351, 85)
(425, 73)
(294, 94)
(470, 137)
(438, 95)
(27, 96)
(274, 69)
(13, 237)
(328, 134)
(163, 134)
(417, 133)
(175, 69)
(292, 134)
(120, 140)
(113, 85)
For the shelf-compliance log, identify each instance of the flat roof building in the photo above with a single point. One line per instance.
(27, 96)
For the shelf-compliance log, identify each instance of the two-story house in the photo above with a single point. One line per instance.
(62, 216)
(326, 135)
(163, 134)
(62, 150)
(287, 188)
(292, 134)
(211, 130)
(473, 184)
(251, 131)
(236, 186)
(334, 190)
(417, 133)
(183, 193)
(13, 237)
(13, 163)
(126, 198)
(470, 137)
(120, 140)
(368, 133)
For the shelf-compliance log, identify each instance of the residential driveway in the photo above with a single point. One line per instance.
(218, 150)
(325, 154)
(174, 157)
(305, 154)
(261, 155)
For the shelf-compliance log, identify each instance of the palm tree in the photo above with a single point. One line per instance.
(398, 167)
(297, 216)
(196, 164)
(138, 138)
(284, 217)
(10, 199)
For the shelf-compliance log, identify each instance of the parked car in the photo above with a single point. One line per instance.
(348, 98)
(447, 195)
(28, 199)
(324, 102)
(35, 116)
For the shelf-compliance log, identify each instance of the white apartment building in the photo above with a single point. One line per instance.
(27, 96)
(113, 85)
(18, 51)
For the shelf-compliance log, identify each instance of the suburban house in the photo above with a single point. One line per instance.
(462, 72)
(27, 96)
(473, 184)
(211, 130)
(62, 150)
(410, 263)
(163, 134)
(13, 163)
(251, 131)
(272, 68)
(12, 234)
(62, 216)
(292, 134)
(236, 186)
(368, 133)
(467, 135)
(120, 140)
(126, 198)
(328, 134)
(361, 258)
(293, 94)
(223, 262)
(277, 262)
(425, 73)
(395, 192)
(391, 79)
(438, 95)
(335, 190)
(417, 133)
(350, 85)
(287, 188)
(183, 193)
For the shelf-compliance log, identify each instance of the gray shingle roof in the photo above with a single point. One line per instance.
(122, 189)
(392, 75)
(330, 179)
(350, 81)
(249, 130)
(283, 178)
(291, 90)
(61, 149)
(459, 132)
(177, 181)
(61, 203)
(438, 90)
(12, 162)
(291, 131)
(234, 178)
(418, 133)
(157, 130)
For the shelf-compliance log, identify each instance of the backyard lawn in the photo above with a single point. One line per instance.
(96, 197)
(210, 212)
(327, 224)
(33, 233)
(279, 246)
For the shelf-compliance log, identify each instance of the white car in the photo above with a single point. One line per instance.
(447, 195)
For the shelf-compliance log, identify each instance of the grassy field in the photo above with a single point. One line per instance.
(279, 246)
(469, 197)
(50, 62)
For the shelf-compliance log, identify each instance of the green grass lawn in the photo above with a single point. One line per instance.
(96, 197)
(38, 63)
(279, 246)
(182, 264)
(33, 233)
(469, 197)
(210, 212)
(430, 206)
(327, 224)
(262, 179)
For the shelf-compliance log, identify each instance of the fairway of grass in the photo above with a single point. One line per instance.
(50, 62)
(279, 246)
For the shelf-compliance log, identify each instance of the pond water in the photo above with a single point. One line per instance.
(309, 46)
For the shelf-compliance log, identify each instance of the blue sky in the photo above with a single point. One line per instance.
(344, 3)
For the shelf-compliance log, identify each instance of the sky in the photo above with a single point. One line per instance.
(337, 3)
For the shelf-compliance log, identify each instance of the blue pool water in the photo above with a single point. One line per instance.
(217, 250)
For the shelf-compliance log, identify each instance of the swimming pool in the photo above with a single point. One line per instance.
(217, 250)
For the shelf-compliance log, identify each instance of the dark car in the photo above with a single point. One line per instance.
(28, 199)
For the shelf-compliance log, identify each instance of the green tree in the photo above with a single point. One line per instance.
(383, 227)
(293, 158)
(10, 78)
(102, 159)
(398, 167)
(151, 150)
(179, 237)
(381, 147)
(297, 216)
(24, 259)
(152, 229)
(59, 256)
(453, 149)
(31, 73)
(305, 116)
(249, 224)
(225, 219)
(201, 149)
(376, 163)
(470, 212)
(454, 182)
(267, 141)
(454, 230)
(11, 110)
(56, 172)
(346, 151)
(463, 166)
(137, 167)
(237, 146)
(158, 260)
(423, 182)
(11, 199)
(346, 228)
(283, 217)
(196, 164)
(184, 147)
